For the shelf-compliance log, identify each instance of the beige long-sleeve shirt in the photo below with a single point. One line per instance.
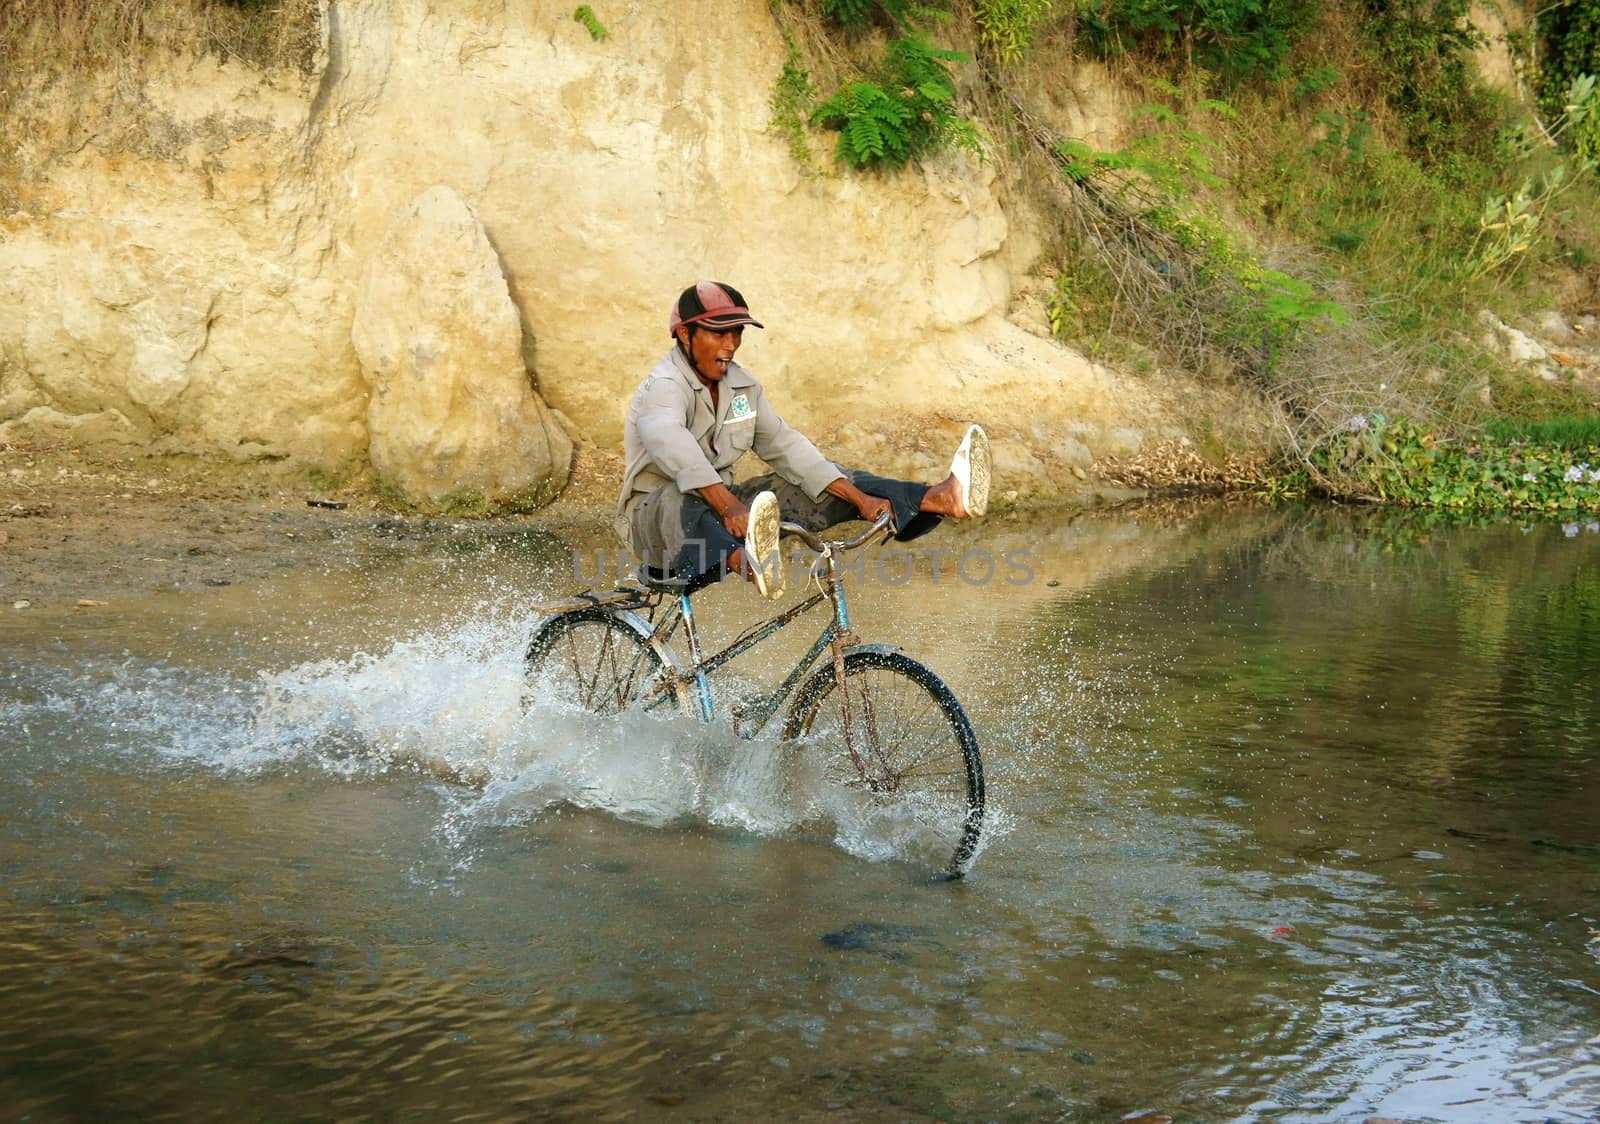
(673, 434)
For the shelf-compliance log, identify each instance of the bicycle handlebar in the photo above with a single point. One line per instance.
(884, 523)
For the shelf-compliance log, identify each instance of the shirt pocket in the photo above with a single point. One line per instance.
(740, 435)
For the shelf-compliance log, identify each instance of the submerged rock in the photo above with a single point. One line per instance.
(870, 936)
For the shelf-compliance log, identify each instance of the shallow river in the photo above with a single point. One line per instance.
(1296, 816)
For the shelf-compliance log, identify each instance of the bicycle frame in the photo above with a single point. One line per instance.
(751, 715)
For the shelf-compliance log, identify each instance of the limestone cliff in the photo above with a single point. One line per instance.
(187, 264)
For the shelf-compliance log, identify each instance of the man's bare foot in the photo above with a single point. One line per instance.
(965, 492)
(944, 498)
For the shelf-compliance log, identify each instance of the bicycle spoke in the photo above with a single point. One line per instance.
(901, 737)
(597, 662)
(883, 725)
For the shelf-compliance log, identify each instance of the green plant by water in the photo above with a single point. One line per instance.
(1393, 460)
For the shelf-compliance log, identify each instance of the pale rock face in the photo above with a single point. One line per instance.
(1553, 328)
(173, 289)
(453, 418)
(199, 286)
(1509, 342)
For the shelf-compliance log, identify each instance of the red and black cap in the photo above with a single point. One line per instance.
(711, 304)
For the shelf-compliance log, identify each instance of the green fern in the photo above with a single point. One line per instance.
(874, 126)
(908, 111)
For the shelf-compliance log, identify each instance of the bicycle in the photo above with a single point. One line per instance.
(890, 727)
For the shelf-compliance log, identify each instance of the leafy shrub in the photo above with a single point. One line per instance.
(1312, 80)
(1198, 274)
(792, 97)
(1570, 35)
(1005, 27)
(1236, 38)
(1424, 48)
(875, 126)
(907, 112)
(857, 14)
(1395, 461)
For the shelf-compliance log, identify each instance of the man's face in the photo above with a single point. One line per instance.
(711, 350)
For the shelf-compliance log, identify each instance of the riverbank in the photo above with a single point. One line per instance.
(84, 526)
(79, 527)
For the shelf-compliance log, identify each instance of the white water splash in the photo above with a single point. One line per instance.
(446, 703)
(456, 705)
(453, 704)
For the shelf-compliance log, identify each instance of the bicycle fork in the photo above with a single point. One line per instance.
(869, 741)
(702, 685)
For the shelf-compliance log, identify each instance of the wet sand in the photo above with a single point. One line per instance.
(80, 526)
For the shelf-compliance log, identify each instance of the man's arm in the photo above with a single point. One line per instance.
(658, 422)
(870, 507)
(728, 507)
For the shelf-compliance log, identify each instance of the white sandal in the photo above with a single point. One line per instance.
(761, 545)
(971, 467)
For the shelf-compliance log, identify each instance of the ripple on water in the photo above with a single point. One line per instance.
(1263, 867)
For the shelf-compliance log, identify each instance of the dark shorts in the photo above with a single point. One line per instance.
(670, 530)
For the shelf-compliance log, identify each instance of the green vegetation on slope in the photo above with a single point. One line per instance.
(1317, 199)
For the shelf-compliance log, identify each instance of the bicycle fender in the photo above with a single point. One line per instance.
(634, 623)
(876, 649)
(628, 620)
(586, 601)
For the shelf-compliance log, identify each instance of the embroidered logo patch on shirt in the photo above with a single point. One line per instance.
(739, 408)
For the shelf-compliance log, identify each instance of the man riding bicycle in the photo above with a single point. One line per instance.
(698, 412)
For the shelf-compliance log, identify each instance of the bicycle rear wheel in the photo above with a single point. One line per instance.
(598, 661)
(897, 733)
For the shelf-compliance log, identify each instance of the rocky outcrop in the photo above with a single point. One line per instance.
(453, 421)
(187, 267)
(1547, 346)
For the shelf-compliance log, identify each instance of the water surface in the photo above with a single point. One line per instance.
(1295, 819)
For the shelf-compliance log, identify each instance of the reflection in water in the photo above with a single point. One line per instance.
(1298, 817)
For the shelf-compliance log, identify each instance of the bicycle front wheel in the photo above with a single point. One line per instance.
(897, 735)
(599, 661)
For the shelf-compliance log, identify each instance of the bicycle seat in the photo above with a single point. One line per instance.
(664, 580)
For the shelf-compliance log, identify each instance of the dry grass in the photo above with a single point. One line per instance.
(831, 57)
(105, 48)
(1175, 466)
(63, 37)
